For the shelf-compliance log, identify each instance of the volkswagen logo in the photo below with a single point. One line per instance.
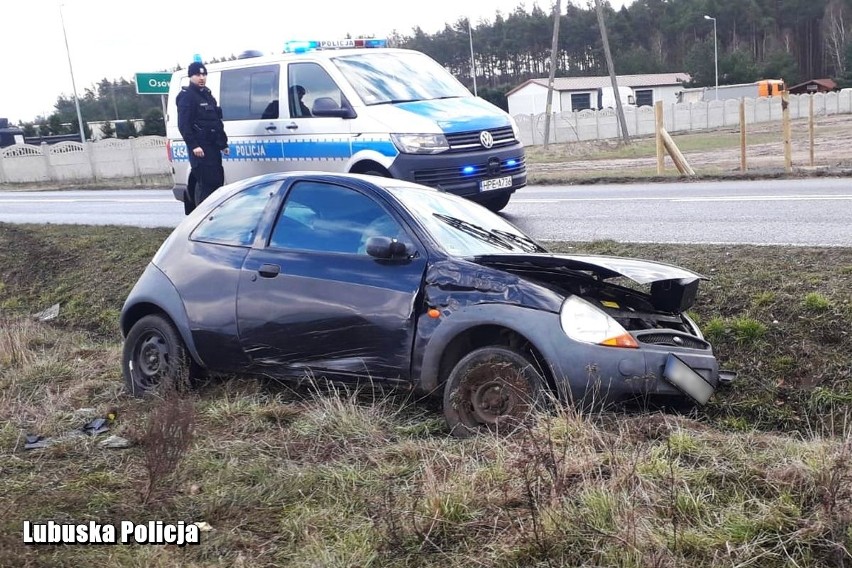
(486, 139)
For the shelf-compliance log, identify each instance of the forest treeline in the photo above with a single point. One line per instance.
(795, 40)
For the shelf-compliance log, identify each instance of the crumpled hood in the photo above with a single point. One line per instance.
(672, 289)
(640, 271)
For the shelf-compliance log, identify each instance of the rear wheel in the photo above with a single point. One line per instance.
(491, 388)
(154, 354)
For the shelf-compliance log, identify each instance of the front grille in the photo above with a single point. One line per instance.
(449, 176)
(466, 141)
(663, 338)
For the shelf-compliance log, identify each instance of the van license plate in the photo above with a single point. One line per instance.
(498, 183)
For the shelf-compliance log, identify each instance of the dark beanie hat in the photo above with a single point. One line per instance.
(195, 68)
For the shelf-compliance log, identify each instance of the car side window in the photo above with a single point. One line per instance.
(234, 222)
(323, 217)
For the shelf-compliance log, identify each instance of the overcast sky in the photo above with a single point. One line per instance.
(112, 38)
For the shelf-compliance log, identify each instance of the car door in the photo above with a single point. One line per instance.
(250, 101)
(312, 300)
(310, 141)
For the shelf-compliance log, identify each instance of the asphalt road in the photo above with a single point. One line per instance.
(814, 211)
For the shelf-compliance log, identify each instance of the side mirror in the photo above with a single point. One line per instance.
(336, 112)
(386, 248)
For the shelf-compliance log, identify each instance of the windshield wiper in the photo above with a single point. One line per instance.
(475, 231)
(396, 101)
(522, 241)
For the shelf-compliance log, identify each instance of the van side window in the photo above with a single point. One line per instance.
(249, 93)
(310, 87)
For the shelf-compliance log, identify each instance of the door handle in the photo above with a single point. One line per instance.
(292, 126)
(271, 128)
(269, 270)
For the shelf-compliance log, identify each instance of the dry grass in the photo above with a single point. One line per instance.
(324, 475)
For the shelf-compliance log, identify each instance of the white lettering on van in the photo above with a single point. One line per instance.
(250, 151)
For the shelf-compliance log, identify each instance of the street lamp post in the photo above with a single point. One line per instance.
(73, 85)
(715, 54)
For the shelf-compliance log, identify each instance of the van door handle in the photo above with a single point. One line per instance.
(269, 270)
(292, 126)
(271, 128)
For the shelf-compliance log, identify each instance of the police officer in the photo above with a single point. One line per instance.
(200, 125)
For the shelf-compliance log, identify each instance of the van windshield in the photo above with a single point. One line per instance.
(395, 77)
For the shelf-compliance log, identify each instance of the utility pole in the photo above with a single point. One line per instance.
(619, 109)
(557, 11)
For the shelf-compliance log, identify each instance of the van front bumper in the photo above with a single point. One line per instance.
(462, 173)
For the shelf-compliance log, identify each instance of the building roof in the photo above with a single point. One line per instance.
(827, 84)
(588, 83)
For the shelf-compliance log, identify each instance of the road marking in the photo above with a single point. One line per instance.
(692, 199)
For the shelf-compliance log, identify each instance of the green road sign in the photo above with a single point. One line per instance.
(153, 83)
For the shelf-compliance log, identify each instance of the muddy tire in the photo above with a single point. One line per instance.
(491, 389)
(154, 355)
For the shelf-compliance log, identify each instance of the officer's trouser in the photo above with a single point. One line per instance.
(208, 173)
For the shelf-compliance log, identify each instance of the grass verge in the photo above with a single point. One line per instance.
(327, 476)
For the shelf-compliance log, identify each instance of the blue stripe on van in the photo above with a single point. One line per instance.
(295, 149)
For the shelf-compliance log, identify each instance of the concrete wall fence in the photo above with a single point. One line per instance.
(139, 158)
(679, 117)
(145, 157)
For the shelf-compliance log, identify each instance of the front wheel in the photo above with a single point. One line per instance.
(496, 204)
(154, 354)
(491, 388)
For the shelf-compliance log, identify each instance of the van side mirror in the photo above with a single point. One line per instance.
(338, 112)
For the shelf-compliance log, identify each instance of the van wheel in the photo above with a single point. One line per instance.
(491, 389)
(154, 354)
(377, 173)
(496, 204)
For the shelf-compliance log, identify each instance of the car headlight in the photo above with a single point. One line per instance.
(582, 321)
(694, 326)
(420, 143)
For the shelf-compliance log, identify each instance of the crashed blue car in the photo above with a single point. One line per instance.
(350, 277)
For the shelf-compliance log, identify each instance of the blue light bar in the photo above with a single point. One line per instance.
(297, 46)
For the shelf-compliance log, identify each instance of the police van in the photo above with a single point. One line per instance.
(356, 106)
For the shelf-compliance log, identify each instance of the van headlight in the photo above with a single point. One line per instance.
(420, 143)
(582, 321)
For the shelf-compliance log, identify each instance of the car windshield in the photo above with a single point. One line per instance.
(462, 227)
(399, 76)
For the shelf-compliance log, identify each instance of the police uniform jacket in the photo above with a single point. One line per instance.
(200, 119)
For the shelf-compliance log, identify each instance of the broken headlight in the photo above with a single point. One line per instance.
(582, 321)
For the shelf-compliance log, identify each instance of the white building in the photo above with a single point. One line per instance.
(578, 93)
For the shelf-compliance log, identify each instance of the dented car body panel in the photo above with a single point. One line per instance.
(355, 277)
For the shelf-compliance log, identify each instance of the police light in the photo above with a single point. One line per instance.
(468, 170)
(348, 43)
